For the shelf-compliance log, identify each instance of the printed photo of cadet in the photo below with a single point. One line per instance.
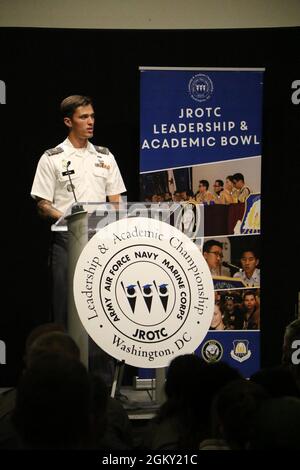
(235, 256)
(236, 310)
(250, 273)
(230, 181)
(251, 310)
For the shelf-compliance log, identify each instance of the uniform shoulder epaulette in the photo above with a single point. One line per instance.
(101, 149)
(54, 151)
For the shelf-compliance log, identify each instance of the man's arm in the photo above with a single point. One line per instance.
(114, 198)
(46, 209)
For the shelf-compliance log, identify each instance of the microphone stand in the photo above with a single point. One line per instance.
(77, 207)
(231, 266)
(77, 239)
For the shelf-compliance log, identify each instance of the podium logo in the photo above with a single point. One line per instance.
(2, 352)
(133, 291)
(143, 292)
(2, 92)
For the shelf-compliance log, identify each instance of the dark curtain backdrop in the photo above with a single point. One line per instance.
(42, 66)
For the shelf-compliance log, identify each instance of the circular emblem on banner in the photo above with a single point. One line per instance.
(143, 292)
(212, 351)
(200, 87)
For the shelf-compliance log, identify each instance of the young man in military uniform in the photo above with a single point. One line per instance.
(213, 253)
(239, 184)
(94, 174)
(250, 274)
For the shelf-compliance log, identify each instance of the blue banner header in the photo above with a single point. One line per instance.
(194, 117)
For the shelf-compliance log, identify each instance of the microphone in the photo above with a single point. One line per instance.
(229, 265)
(77, 207)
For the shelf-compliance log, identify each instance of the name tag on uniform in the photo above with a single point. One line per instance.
(68, 172)
(102, 165)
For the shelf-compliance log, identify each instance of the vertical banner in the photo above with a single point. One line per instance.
(200, 143)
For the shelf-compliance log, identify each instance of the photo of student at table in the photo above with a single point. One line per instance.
(250, 273)
(213, 254)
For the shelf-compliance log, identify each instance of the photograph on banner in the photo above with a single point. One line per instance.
(229, 192)
(183, 184)
(224, 186)
(167, 185)
(236, 310)
(201, 144)
(233, 261)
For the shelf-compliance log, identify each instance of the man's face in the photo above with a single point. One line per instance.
(217, 187)
(229, 184)
(229, 304)
(202, 188)
(238, 184)
(250, 302)
(81, 124)
(217, 317)
(249, 263)
(183, 196)
(214, 257)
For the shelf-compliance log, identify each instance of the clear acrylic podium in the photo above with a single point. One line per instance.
(82, 221)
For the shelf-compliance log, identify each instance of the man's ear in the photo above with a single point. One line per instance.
(68, 122)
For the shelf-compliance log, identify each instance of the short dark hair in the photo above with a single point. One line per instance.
(55, 342)
(220, 182)
(53, 404)
(40, 330)
(238, 177)
(71, 103)
(230, 178)
(249, 292)
(209, 243)
(252, 250)
(205, 183)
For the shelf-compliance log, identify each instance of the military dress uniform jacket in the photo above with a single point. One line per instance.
(243, 193)
(93, 171)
